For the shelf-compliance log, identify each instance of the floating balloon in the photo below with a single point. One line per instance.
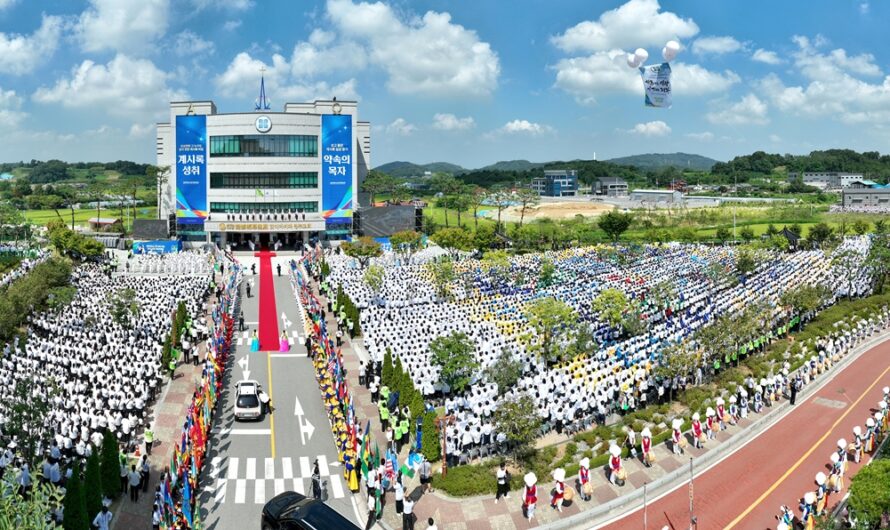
(641, 55)
(632, 60)
(670, 51)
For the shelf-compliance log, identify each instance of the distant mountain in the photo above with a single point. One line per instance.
(658, 161)
(408, 169)
(513, 165)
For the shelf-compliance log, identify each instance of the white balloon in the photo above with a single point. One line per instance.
(641, 55)
(670, 50)
(632, 60)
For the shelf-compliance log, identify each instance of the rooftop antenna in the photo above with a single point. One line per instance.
(262, 103)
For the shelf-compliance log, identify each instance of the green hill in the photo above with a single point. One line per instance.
(408, 169)
(659, 161)
(513, 165)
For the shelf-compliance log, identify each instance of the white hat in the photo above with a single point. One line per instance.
(709, 412)
(882, 404)
(646, 433)
(758, 388)
(615, 450)
(887, 389)
(763, 381)
(842, 444)
(720, 401)
(809, 497)
(695, 417)
(784, 371)
(878, 416)
(870, 422)
(820, 478)
(744, 393)
(732, 399)
(530, 479)
(559, 474)
(585, 462)
(782, 526)
(677, 423)
(857, 430)
(835, 458)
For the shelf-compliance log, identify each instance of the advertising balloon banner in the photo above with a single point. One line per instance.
(657, 84)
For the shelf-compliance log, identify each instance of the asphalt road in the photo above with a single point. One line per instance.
(251, 462)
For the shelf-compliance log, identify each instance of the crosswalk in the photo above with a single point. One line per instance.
(257, 480)
(293, 338)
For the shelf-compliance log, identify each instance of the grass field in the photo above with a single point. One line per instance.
(41, 217)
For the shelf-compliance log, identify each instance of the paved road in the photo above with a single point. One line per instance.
(778, 467)
(252, 462)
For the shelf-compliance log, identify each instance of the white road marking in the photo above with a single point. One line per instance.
(358, 516)
(255, 432)
(323, 466)
(336, 486)
(298, 486)
(240, 491)
(287, 467)
(298, 409)
(285, 355)
(233, 468)
(220, 495)
(259, 492)
(305, 470)
(279, 486)
(270, 468)
(214, 466)
(250, 472)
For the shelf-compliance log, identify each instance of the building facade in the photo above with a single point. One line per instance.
(875, 198)
(827, 179)
(611, 186)
(263, 177)
(557, 183)
(656, 196)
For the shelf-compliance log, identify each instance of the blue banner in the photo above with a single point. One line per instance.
(336, 168)
(657, 84)
(156, 247)
(191, 169)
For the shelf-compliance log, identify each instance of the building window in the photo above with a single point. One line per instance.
(263, 180)
(264, 145)
(262, 207)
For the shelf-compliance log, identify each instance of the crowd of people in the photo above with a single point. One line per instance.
(840, 208)
(192, 262)
(680, 288)
(23, 267)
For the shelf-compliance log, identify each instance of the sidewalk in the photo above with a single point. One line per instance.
(481, 512)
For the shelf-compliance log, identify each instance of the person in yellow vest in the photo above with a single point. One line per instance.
(149, 437)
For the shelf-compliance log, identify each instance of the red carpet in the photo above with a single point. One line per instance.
(268, 312)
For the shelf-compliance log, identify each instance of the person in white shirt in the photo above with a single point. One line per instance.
(103, 519)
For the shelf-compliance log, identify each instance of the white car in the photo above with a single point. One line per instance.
(247, 401)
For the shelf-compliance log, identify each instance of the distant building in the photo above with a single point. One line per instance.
(827, 179)
(867, 197)
(611, 186)
(652, 196)
(557, 183)
(862, 184)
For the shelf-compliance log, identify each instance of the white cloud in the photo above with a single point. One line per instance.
(189, 44)
(775, 138)
(241, 78)
(651, 128)
(231, 25)
(428, 56)
(450, 122)
(232, 5)
(21, 54)
(316, 56)
(125, 87)
(749, 110)
(141, 130)
(716, 45)
(525, 127)
(401, 127)
(864, 8)
(705, 136)
(636, 23)
(122, 25)
(765, 56)
(6, 4)
(10, 103)
(693, 80)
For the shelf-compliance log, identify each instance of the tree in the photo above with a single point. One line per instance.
(453, 240)
(674, 361)
(362, 249)
(475, 198)
(861, 227)
(484, 238)
(518, 419)
(819, 234)
(386, 371)
(549, 321)
(546, 272)
(26, 416)
(442, 273)
(771, 230)
(93, 485)
(501, 199)
(723, 234)
(610, 305)
(123, 307)
(505, 371)
(430, 445)
(527, 198)
(75, 507)
(881, 227)
(804, 299)
(745, 262)
(454, 355)
(28, 513)
(795, 229)
(378, 182)
(869, 494)
(406, 242)
(374, 276)
(878, 260)
(614, 224)
(110, 466)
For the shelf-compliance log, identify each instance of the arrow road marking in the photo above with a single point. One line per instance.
(244, 363)
(306, 428)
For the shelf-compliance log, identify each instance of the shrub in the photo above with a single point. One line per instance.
(93, 486)
(430, 445)
(75, 508)
(109, 466)
(464, 481)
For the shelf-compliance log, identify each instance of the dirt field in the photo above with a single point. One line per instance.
(556, 210)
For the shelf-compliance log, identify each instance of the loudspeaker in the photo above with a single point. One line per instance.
(171, 224)
(357, 223)
(418, 220)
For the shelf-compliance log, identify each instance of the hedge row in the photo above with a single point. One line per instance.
(29, 294)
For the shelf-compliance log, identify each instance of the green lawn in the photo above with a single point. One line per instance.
(41, 217)
(466, 218)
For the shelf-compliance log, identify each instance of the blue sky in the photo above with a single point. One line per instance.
(459, 81)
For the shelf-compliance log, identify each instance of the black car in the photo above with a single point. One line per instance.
(292, 511)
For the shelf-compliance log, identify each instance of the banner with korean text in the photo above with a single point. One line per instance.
(336, 168)
(191, 169)
(657, 84)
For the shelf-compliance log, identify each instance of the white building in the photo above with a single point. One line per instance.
(263, 176)
(827, 179)
(656, 196)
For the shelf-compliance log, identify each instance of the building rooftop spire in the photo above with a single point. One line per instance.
(262, 103)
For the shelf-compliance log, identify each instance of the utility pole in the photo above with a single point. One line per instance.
(693, 524)
(645, 508)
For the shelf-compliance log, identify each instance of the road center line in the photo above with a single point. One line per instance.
(271, 416)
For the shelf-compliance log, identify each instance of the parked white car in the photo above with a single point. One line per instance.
(247, 402)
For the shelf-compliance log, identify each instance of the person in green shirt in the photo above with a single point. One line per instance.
(404, 428)
(384, 414)
(149, 440)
